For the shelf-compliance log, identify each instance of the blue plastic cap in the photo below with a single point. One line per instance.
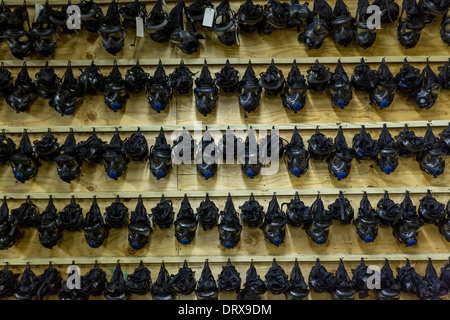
(69, 112)
(297, 107)
(321, 241)
(113, 175)
(115, 107)
(160, 174)
(388, 169)
(185, 241)
(411, 243)
(93, 244)
(368, 239)
(403, 85)
(208, 174)
(437, 172)
(157, 107)
(135, 246)
(384, 104)
(360, 154)
(296, 172)
(250, 174)
(340, 103)
(19, 177)
(342, 175)
(228, 245)
(277, 241)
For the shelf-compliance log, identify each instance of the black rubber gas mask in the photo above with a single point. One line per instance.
(116, 288)
(297, 289)
(275, 17)
(250, 16)
(387, 210)
(59, 17)
(407, 227)
(364, 35)
(159, 92)
(91, 80)
(320, 280)
(44, 32)
(340, 160)
(316, 31)
(181, 79)
(139, 282)
(272, 81)
(136, 146)
(367, 221)
(91, 15)
(409, 79)
(157, 23)
(341, 210)
(225, 24)
(319, 146)
(444, 136)
(296, 155)
(6, 81)
(24, 162)
(409, 144)
(112, 30)
(388, 151)
(340, 87)
(160, 157)
(229, 227)
(207, 157)
(383, 93)
(364, 78)
(253, 286)
(430, 210)
(361, 279)
(25, 215)
(24, 92)
(5, 12)
(363, 144)
(47, 148)
(252, 213)
(8, 282)
(444, 224)
(91, 149)
(185, 223)
(345, 287)
(274, 225)
(207, 213)
(433, 8)
(68, 163)
(196, 10)
(115, 91)
(445, 29)
(68, 95)
(228, 78)
(115, 159)
(409, 30)
(116, 215)
(432, 159)
(47, 82)
(19, 40)
(318, 228)
(140, 227)
(162, 288)
(7, 147)
(249, 91)
(295, 90)
(71, 216)
(297, 213)
(8, 231)
(184, 281)
(94, 227)
(136, 79)
(206, 286)
(250, 164)
(276, 278)
(229, 279)
(206, 92)
(426, 96)
(131, 11)
(444, 76)
(342, 24)
(318, 77)
(184, 147)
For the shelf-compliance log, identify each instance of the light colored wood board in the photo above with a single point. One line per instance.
(211, 47)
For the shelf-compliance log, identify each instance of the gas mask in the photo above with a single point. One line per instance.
(206, 286)
(47, 82)
(318, 77)
(274, 225)
(68, 95)
(9, 233)
(340, 160)
(59, 18)
(252, 213)
(112, 30)
(116, 215)
(140, 227)
(432, 159)
(8, 282)
(179, 146)
(207, 214)
(44, 32)
(432, 287)
(444, 224)
(115, 92)
(318, 228)
(408, 30)
(131, 11)
(445, 29)
(229, 279)
(91, 15)
(161, 289)
(229, 227)
(181, 79)
(19, 40)
(363, 144)
(409, 279)
(341, 210)
(93, 282)
(383, 93)
(444, 76)
(297, 213)
(409, 144)
(249, 91)
(71, 216)
(228, 146)
(344, 286)
(364, 78)
(360, 279)
(185, 223)
(320, 280)
(163, 214)
(433, 8)
(27, 285)
(91, 80)
(115, 159)
(228, 78)
(444, 136)
(295, 90)
(94, 227)
(157, 23)
(159, 92)
(253, 286)
(7, 147)
(47, 284)
(340, 87)
(5, 12)
(367, 221)
(407, 227)
(390, 287)
(116, 288)
(196, 10)
(206, 92)
(24, 92)
(184, 281)
(388, 211)
(91, 149)
(160, 157)
(430, 210)
(409, 79)
(342, 24)
(67, 161)
(316, 31)
(225, 24)
(23, 160)
(296, 155)
(272, 81)
(136, 79)
(250, 16)
(136, 146)
(319, 146)
(275, 17)
(6, 81)
(297, 289)
(250, 165)
(426, 96)
(276, 279)
(388, 151)
(364, 36)
(389, 10)
(186, 40)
